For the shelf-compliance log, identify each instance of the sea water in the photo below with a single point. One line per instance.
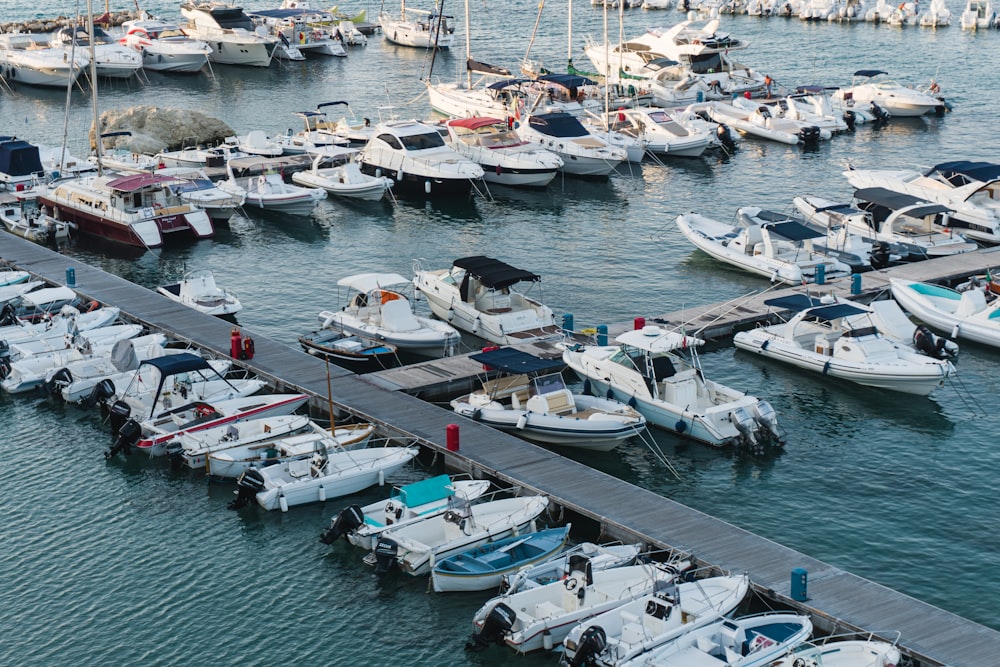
(130, 562)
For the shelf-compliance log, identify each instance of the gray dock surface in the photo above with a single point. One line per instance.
(839, 601)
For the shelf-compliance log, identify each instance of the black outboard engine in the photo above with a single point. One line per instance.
(128, 435)
(851, 119)
(4, 359)
(249, 484)
(929, 344)
(881, 115)
(386, 551)
(118, 415)
(497, 624)
(349, 520)
(879, 256)
(809, 135)
(59, 379)
(592, 643)
(726, 137)
(175, 453)
(103, 390)
(8, 315)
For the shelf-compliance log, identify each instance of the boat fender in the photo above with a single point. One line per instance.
(587, 391)
(763, 346)
(632, 403)
(346, 522)
(680, 426)
(427, 187)
(826, 368)
(495, 627)
(476, 414)
(954, 331)
(592, 643)
(322, 494)
(522, 422)
(92, 306)
(282, 501)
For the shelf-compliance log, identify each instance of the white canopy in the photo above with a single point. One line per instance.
(366, 282)
(48, 295)
(653, 339)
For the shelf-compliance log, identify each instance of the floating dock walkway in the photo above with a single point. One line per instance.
(838, 601)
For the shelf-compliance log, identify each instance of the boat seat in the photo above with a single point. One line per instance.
(631, 632)
(732, 657)
(706, 644)
(506, 385)
(397, 316)
(519, 398)
(553, 403)
(972, 302)
(548, 610)
(299, 468)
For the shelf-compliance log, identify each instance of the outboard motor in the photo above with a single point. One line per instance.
(879, 257)
(102, 391)
(348, 521)
(767, 422)
(881, 115)
(118, 415)
(593, 643)
(59, 379)
(851, 119)
(4, 359)
(929, 344)
(725, 137)
(497, 624)
(8, 315)
(386, 552)
(175, 452)
(745, 424)
(128, 435)
(249, 484)
(809, 136)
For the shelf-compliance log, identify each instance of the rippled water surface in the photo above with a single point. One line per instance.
(129, 562)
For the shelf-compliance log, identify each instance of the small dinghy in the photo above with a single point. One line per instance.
(967, 314)
(197, 289)
(320, 477)
(25, 218)
(415, 547)
(335, 170)
(750, 641)
(13, 277)
(12, 292)
(834, 652)
(601, 557)
(617, 636)
(484, 567)
(836, 341)
(352, 351)
(412, 502)
(195, 447)
(231, 463)
(542, 617)
(530, 399)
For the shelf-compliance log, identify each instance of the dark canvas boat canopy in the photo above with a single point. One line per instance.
(793, 231)
(178, 363)
(822, 312)
(898, 200)
(19, 158)
(568, 80)
(794, 302)
(869, 72)
(509, 360)
(961, 172)
(493, 273)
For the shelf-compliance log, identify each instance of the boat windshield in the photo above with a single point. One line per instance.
(419, 142)
(547, 384)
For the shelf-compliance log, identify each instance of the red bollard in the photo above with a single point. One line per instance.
(235, 343)
(248, 349)
(639, 323)
(451, 437)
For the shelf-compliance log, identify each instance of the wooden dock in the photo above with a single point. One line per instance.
(838, 602)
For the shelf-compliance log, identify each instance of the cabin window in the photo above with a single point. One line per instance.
(391, 140)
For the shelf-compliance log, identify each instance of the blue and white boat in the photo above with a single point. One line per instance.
(658, 372)
(361, 526)
(483, 568)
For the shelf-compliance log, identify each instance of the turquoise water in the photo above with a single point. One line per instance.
(129, 562)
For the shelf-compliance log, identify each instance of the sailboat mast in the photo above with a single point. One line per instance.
(93, 84)
(569, 35)
(468, 48)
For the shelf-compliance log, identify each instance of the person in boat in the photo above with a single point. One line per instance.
(768, 82)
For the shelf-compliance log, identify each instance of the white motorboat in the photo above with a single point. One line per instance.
(838, 340)
(194, 187)
(416, 501)
(13, 277)
(840, 652)
(530, 399)
(256, 142)
(660, 133)
(23, 60)
(234, 38)
(415, 156)
(809, 106)
(582, 153)
(672, 85)
(317, 135)
(415, 547)
(268, 191)
(970, 189)
(978, 14)
(782, 251)
(647, 622)
(506, 159)
(300, 31)
(12, 292)
(24, 217)
(658, 371)
(164, 46)
(509, 96)
(601, 557)
(198, 290)
(195, 447)
(94, 340)
(137, 210)
(336, 170)
(197, 156)
(904, 223)
(870, 85)
(61, 319)
(748, 641)
(111, 59)
(529, 619)
(477, 295)
(755, 118)
(320, 477)
(965, 314)
(379, 309)
(937, 16)
(417, 27)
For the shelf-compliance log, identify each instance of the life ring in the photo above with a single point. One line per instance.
(92, 306)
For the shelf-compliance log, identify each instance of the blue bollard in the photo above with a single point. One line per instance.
(602, 334)
(799, 584)
(70, 277)
(568, 322)
(700, 96)
(820, 274)
(856, 283)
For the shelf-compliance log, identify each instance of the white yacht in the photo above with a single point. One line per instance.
(23, 60)
(415, 156)
(660, 133)
(476, 295)
(871, 85)
(417, 27)
(111, 59)
(506, 159)
(268, 191)
(978, 14)
(234, 38)
(582, 153)
(300, 31)
(164, 46)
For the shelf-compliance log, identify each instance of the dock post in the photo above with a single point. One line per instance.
(71, 277)
(602, 334)
(856, 283)
(821, 274)
(451, 437)
(799, 584)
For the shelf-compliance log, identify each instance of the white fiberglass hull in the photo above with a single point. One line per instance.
(943, 309)
(173, 61)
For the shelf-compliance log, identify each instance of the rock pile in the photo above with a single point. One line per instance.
(155, 129)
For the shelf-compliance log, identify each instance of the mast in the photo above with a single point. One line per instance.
(569, 36)
(93, 84)
(468, 48)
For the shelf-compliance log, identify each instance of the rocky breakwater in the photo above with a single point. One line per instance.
(51, 25)
(155, 129)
